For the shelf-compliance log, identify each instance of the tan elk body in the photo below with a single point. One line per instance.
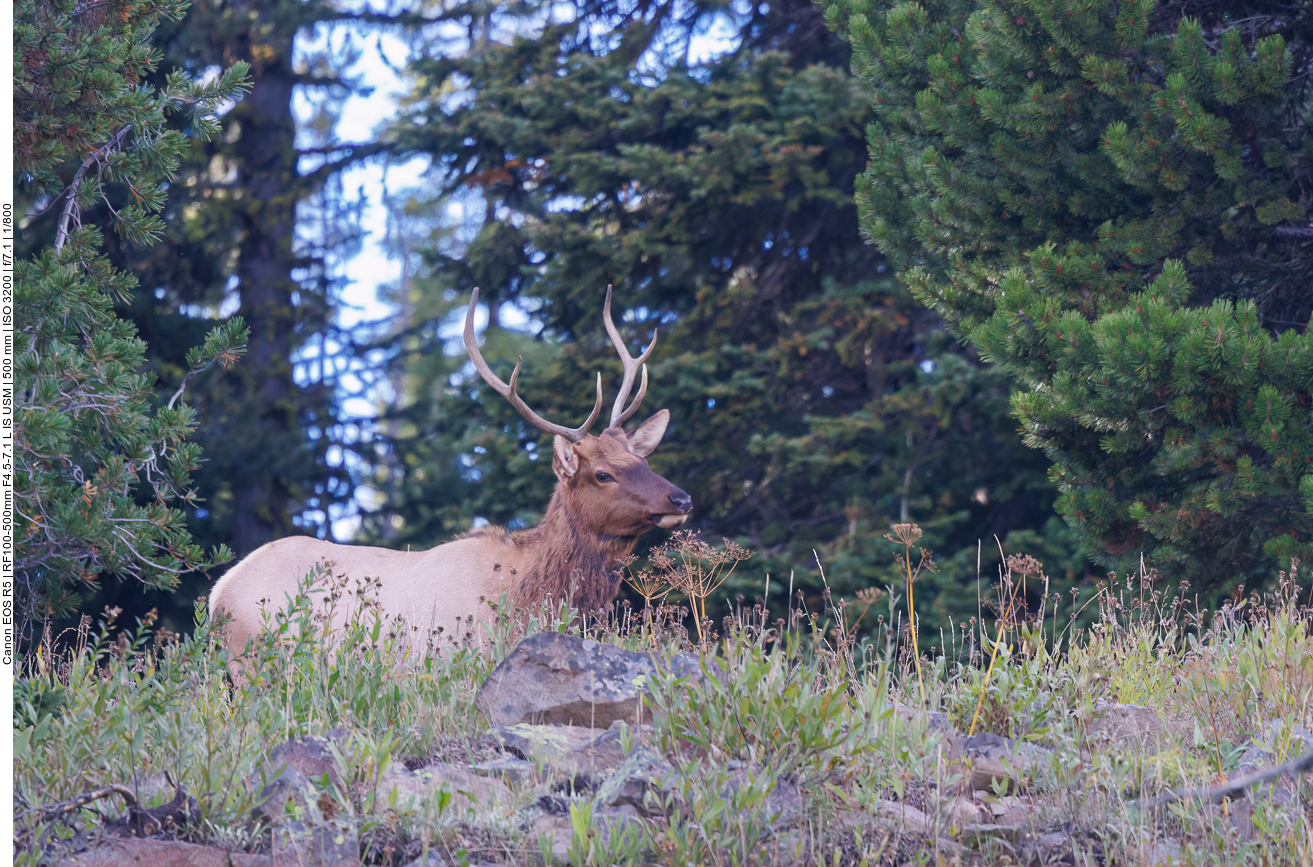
(605, 498)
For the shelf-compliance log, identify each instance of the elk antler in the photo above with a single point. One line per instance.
(574, 435)
(632, 366)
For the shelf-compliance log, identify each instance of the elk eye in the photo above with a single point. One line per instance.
(603, 477)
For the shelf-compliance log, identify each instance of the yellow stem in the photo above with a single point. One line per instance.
(988, 671)
(911, 616)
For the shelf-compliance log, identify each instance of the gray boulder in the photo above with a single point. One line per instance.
(555, 678)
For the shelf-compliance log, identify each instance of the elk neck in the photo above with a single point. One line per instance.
(565, 560)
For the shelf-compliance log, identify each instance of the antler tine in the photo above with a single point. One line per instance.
(632, 366)
(509, 391)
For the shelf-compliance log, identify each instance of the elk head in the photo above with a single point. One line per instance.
(604, 481)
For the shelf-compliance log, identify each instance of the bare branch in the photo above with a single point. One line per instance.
(61, 236)
(1234, 789)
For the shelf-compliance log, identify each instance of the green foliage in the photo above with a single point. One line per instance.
(97, 465)
(83, 121)
(751, 708)
(813, 401)
(1105, 199)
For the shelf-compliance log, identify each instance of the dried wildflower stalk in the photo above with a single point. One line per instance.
(1023, 565)
(907, 535)
(696, 569)
(652, 586)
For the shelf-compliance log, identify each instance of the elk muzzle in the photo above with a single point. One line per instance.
(683, 504)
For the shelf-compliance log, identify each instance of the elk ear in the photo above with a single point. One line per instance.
(647, 436)
(565, 463)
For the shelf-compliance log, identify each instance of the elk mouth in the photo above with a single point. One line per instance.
(670, 520)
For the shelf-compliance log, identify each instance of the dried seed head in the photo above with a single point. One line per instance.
(907, 534)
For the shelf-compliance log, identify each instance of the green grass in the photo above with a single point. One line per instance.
(783, 757)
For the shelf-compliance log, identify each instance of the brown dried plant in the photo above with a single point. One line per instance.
(1010, 614)
(696, 569)
(907, 535)
(652, 586)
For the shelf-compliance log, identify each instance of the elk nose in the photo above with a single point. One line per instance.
(682, 501)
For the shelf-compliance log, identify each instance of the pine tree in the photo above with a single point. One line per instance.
(814, 403)
(257, 225)
(87, 438)
(1107, 200)
(240, 241)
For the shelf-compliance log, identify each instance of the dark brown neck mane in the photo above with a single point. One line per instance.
(566, 562)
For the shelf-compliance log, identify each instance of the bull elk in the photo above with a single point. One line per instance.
(605, 498)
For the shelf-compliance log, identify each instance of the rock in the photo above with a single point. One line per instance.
(1125, 723)
(161, 853)
(990, 831)
(1009, 810)
(923, 720)
(643, 772)
(556, 834)
(154, 788)
(557, 831)
(899, 817)
(607, 823)
(286, 795)
(291, 775)
(313, 756)
(1165, 853)
(332, 843)
(430, 859)
(1276, 742)
(570, 749)
(994, 759)
(960, 811)
(782, 796)
(467, 788)
(512, 771)
(556, 678)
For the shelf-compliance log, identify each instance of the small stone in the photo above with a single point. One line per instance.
(1125, 723)
(899, 817)
(998, 761)
(132, 851)
(923, 720)
(330, 844)
(642, 773)
(513, 772)
(466, 788)
(961, 811)
(989, 830)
